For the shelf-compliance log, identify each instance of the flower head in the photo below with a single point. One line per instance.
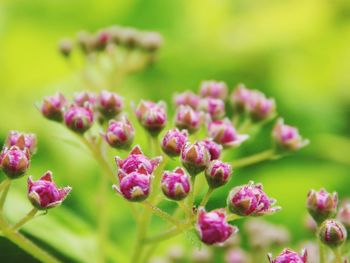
(175, 184)
(53, 106)
(287, 137)
(79, 119)
(84, 97)
(322, 205)
(22, 140)
(225, 134)
(135, 161)
(44, 194)
(194, 157)
(187, 98)
(14, 161)
(289, 256)
(214, 107)
(250, 200)
(332, 233)
(259, 107)
(152, 116)
(119, 134)
(213, 148)
(213, 228)
(240, 98)
(218, 173)
(109, 104)
(187, 118)
(214, 89)
(173, 141)
(135, 186)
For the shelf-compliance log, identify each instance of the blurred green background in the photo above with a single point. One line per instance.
(297, 51)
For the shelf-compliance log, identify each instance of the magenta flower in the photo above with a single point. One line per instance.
(44, 194)
(135, 161)
(289, 256)
(22, 140)
(173, 141)
(259, 107)
(214, 107)
(213, 228)
(119, 134)
(218, 173)
(176, 184)
(79, 119)
(84, 97)
(332, 233)
(321, 205)
(250, 200)
(109, 104)
(287, 137)
(225, 134)
(194, 157)
(213, 148)
(240, 98)
(214, 89)
(53, 106)
(134, 186)
(187, 118)
(152, 116)
(187, 98)
(344, 216)
(14, 162)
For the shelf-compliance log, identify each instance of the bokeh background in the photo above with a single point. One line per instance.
(297, 51)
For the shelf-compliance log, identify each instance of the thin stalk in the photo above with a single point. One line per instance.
(183, 206)
(25, 243)
(149, 253)
(25, 219)
(255, 158)
(321, 251)
(102, 219)
(160, 213)
(232, 217)
(206, 197)
(141, 233)
(337, 254)
(191, 195)
(3, 184)
(4, 193)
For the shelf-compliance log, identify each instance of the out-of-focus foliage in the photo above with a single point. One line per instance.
(295, 50)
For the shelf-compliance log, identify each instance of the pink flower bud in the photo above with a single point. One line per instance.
(173, 141)
(53, 106)
(135, 161)
(215, 107)
(287, 138)
(332, 233)
(22, 140)
(250, 200)
(79, 119)
(44, 194)
(109, 104)
(187, 98)
(194, 157)
(225, 134)
(218, 173)
(14, 162)
(344, 216)
(176, 184)
(119, 134)
(152, 116)
(322, 205)
(236, 255)
(214, 89)
(240, 98)
(289, 256)
(213, 148)
(84, 97)
(213, 228)
(187, 118)
(259, 107)
(135, 186)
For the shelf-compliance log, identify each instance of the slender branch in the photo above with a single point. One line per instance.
(25, 219)
(321, 251)
(102, 219)
(160, 213)
(4, 193)
(206, 197)
(232, 217)
(183, 206)
(3, 184)
(191, 195)
(256, 158)
(337, 254)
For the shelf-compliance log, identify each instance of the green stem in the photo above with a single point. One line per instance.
(206, 197)
(337, 254)
(4, 193)
(253, 159)
(183, 206)
(321, 251)
(25, 219)
(160, 213)
(25, 243)
(102, 219)
(232, 217)
(141, 233)
(3, 184)
(191, 195)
